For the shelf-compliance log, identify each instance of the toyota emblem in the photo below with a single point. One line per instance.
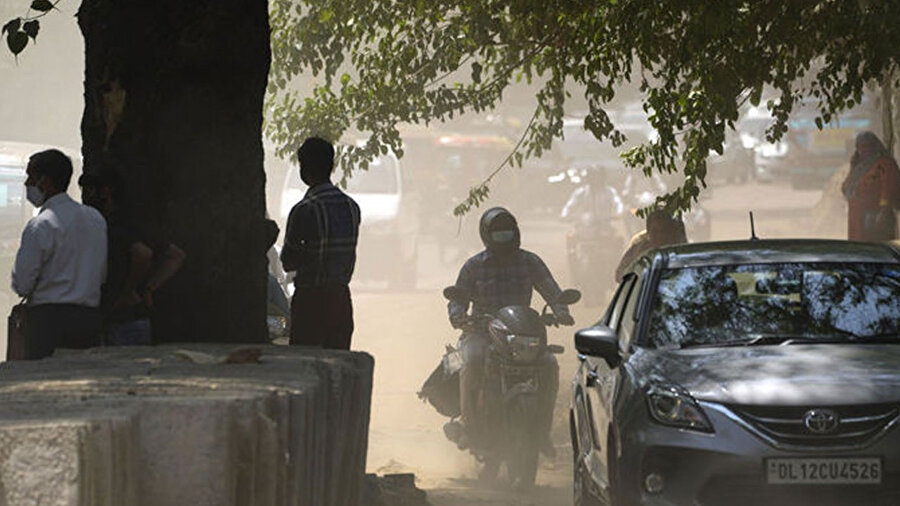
(821, 421)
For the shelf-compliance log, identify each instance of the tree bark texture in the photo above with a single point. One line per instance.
(173, 102)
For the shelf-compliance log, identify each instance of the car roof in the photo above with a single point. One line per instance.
(778, 251)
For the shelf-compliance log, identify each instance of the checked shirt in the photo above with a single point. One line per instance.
(321, 237)
(494, 282)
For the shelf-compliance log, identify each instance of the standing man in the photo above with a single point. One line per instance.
(662, 229)
(320, 246)
(61, 262)
(139, 264)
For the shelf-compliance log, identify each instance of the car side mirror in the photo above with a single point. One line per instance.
(599, 341)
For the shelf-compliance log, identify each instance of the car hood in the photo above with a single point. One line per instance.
(819, 374)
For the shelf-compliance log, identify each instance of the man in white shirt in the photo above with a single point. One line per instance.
(61, 262)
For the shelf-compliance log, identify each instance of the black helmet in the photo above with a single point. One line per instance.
(499, 230)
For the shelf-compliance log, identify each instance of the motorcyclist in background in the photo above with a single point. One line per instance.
(501, 275)
(595, 199)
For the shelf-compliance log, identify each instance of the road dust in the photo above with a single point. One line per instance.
(407, 331)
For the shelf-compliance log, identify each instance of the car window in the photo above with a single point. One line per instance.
(627, 323)
(714, 304)
(615, 308)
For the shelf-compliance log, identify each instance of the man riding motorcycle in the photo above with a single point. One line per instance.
(501, 275)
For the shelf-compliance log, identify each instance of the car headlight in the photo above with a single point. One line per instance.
(672, 406)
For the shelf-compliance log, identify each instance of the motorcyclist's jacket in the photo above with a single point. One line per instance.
(493, 281)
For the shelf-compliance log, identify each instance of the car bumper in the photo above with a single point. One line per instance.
(727, 467)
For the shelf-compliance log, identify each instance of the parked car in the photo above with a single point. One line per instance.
(744, 373)
(388, 247)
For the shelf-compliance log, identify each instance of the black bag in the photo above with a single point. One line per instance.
(15, 332)
(441, 389)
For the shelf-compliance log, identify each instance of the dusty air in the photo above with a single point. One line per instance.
(319, 253)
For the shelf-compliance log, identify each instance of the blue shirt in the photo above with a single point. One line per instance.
(321, 235)
(493, 282)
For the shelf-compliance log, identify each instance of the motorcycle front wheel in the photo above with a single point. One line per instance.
(523, 451)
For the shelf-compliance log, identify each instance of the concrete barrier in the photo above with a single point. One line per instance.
(176, 425)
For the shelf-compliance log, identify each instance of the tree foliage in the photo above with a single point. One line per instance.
(382, 64)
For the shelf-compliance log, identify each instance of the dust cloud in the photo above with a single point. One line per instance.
(411, 245)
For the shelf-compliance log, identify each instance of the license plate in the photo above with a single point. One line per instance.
(824, 471)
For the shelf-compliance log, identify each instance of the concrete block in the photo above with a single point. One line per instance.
(143, 426)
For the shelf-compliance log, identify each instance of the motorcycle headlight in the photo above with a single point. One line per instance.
(524, 348)
(672, 406)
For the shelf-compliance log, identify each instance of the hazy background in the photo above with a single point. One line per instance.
(411, 245)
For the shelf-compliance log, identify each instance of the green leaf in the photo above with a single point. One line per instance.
(17, 41)
(41, 5)
(31, 28)
(12, 26)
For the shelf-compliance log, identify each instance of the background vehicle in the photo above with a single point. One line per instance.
(747, 372)
(734, 165)
(388, 245)
(512, 383)
(806, 156)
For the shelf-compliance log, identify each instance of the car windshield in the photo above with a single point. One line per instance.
(381, 177)
(807, 301)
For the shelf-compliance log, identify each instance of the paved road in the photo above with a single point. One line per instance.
(407, 332)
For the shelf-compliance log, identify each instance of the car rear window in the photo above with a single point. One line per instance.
(717, 304)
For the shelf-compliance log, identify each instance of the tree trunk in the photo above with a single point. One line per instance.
(173, 102)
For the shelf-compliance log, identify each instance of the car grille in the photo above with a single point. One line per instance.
(745, 491)
(785, 424)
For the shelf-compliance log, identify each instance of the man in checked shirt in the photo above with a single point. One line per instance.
(502, 275)
(320, 246)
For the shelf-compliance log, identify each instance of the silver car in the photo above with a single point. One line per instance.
(751, 372)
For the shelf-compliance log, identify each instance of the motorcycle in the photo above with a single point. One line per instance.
(509, 399)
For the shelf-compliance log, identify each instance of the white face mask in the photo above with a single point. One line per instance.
(503, 236)
(35, 195)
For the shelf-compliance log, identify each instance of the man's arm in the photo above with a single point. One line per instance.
(140, 262)
(164, 268)
(291, 252)
(549, 289)
(573, 205)
(457, 309)
(33, 248)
